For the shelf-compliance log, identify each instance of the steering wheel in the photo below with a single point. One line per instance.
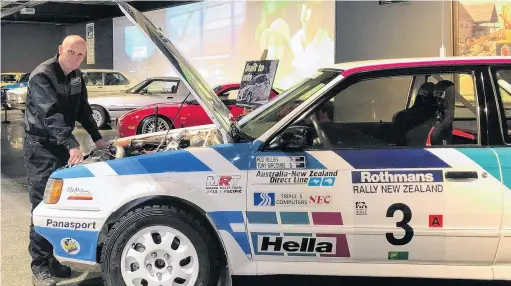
(321, 133)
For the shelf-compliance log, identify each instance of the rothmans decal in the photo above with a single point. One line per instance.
(413, 181)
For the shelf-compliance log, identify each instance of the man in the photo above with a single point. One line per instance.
(56, 99)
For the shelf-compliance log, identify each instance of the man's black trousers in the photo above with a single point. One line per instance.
(41, 159)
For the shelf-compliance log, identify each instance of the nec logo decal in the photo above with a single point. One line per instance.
(289, 199)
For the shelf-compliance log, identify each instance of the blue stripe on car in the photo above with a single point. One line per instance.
(223, 220)
(485, 158)
(391, 159)
(176, 161)
(262, 217)
(504, 155)
(238, 154)
(79, 171)
(88, 241)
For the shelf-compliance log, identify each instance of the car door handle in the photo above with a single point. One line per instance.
(460, 175)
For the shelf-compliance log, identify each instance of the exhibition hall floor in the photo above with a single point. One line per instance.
(15, 220)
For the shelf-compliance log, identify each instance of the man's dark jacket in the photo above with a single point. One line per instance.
(54, 103)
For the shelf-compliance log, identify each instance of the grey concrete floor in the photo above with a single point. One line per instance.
(15, 220)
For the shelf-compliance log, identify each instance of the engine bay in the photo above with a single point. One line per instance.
(136, 145)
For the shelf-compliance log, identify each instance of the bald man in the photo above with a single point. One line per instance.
(56, 99)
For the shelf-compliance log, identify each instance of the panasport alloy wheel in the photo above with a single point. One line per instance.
(159, 255)
(163, 245)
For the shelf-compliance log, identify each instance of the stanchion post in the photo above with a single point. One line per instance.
(5, 109)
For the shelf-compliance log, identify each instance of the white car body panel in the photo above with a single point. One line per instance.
(366, 245)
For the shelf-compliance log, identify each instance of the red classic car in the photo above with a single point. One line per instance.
(142, 120)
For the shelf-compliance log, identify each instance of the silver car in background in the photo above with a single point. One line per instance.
(110, 106)
(98, 82)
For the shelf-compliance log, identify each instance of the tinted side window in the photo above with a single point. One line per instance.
(373, 113)
(372, 100)
(162, 87)
(94, 79)
(115, 79)
(24, 78)
(503, 85)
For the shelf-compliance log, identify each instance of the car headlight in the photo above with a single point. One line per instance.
(53, 191)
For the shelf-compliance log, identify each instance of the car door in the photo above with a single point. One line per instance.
(157, 91)
(296, 205)
(499, 87)
(366, 199)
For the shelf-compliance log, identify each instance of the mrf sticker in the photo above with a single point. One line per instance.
(280, 162)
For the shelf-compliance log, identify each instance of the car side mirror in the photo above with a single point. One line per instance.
(144, 91)
(293, 138)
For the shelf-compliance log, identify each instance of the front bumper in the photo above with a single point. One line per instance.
(125, 130)
(73, 234)
(17, 101)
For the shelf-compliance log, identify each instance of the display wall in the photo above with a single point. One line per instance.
(19, 41)
(218, 37)
(25, 45)
(366, 30)
(103, 45)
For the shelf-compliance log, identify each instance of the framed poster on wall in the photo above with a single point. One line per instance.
(90, 41)
(482, 28)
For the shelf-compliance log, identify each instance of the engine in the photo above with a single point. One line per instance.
(134, 146)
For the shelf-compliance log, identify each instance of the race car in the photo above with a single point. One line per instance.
(171, 115)
(397, 167)
(11, 81)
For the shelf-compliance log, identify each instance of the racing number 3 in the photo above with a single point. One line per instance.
(407, 216)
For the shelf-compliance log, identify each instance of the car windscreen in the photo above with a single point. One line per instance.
(8, 78)
(275, 110)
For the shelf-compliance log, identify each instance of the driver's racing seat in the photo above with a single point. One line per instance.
(412, 126)
(441, 131)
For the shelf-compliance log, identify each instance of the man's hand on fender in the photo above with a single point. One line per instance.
(101, 144)
(75, 156)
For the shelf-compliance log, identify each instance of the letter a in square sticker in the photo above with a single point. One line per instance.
(436, 221)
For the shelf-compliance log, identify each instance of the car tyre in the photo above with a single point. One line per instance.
(191, 230)
(163, 124)
(99, 115)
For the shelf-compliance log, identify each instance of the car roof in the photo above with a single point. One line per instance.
(353, 67)
(99, 70)
(164, 78)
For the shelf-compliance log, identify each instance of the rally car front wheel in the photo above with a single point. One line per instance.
(159, 245)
